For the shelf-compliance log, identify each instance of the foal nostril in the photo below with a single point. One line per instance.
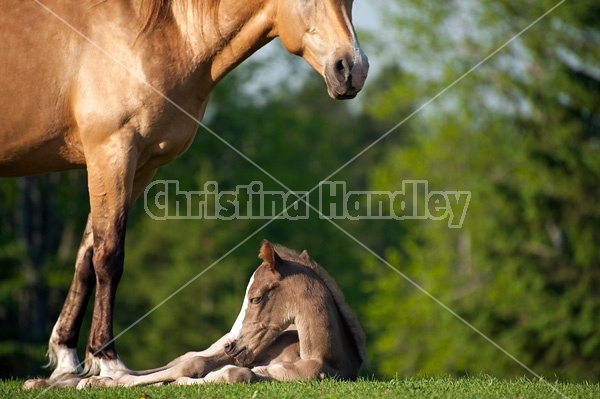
(228, 347)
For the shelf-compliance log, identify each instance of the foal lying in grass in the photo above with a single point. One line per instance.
(294, 325)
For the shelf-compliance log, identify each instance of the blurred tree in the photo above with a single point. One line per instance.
(522, 134)
(40, 223)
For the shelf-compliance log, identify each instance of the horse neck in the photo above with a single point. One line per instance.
(218, 44)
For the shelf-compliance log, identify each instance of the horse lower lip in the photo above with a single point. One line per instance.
(345, 96)
(342, 95)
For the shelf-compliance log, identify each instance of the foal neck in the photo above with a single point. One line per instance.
(322, 331)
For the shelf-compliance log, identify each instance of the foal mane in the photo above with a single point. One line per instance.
(155, 12)
(338, 297)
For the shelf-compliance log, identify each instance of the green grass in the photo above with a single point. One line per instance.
(418, 387)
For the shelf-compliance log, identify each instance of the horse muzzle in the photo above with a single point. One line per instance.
(345, 75)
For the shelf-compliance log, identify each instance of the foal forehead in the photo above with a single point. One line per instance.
(261, 277)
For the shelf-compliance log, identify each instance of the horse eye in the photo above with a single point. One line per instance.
(255, 300)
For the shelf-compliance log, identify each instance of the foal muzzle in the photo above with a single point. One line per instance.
(242, 355)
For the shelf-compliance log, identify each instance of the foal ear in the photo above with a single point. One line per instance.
(268, 255)
(305, 256)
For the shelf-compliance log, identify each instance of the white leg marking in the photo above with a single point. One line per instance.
(91, 365)
(64, 359)
(106, 373)
(112, 368)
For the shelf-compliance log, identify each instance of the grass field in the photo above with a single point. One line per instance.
(438, 387)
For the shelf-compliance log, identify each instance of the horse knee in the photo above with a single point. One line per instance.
(109, 250)
(84, 270)
(108, 262)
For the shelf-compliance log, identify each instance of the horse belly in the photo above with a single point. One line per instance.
(50, 157)
(37, 132)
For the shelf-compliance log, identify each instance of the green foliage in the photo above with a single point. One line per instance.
(41, 219)
(521, 134)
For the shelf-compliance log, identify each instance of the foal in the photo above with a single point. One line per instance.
(294, 325)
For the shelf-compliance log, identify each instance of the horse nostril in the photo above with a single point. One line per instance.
(342, 69)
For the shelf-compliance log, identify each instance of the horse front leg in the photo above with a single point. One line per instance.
(109, 210)
(108, 258)
(62, 348)
(111, 174)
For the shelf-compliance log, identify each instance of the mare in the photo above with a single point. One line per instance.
(118, 87)
(294, 325)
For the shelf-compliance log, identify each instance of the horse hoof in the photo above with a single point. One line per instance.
(36, 383)
(96, 382)
(63, 381)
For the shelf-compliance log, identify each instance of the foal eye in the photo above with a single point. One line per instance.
(255, 300)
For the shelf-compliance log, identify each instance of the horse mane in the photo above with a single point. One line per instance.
(338, 297)
(154, 12)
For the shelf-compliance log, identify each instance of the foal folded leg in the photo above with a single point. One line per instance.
(300, 370)
(229, 374)
(62, 348)
(214, 351)
(191, 364)
(192, 367)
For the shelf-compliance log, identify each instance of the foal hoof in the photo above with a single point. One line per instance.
(63, 381)
(188, 381)
(96, 382)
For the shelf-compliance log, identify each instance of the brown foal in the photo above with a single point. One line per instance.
(294, 325)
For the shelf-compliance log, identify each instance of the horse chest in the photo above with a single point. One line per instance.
(168, 137)
(159, 122)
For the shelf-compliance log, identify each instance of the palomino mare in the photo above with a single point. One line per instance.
(118, 87)
(294, 324)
